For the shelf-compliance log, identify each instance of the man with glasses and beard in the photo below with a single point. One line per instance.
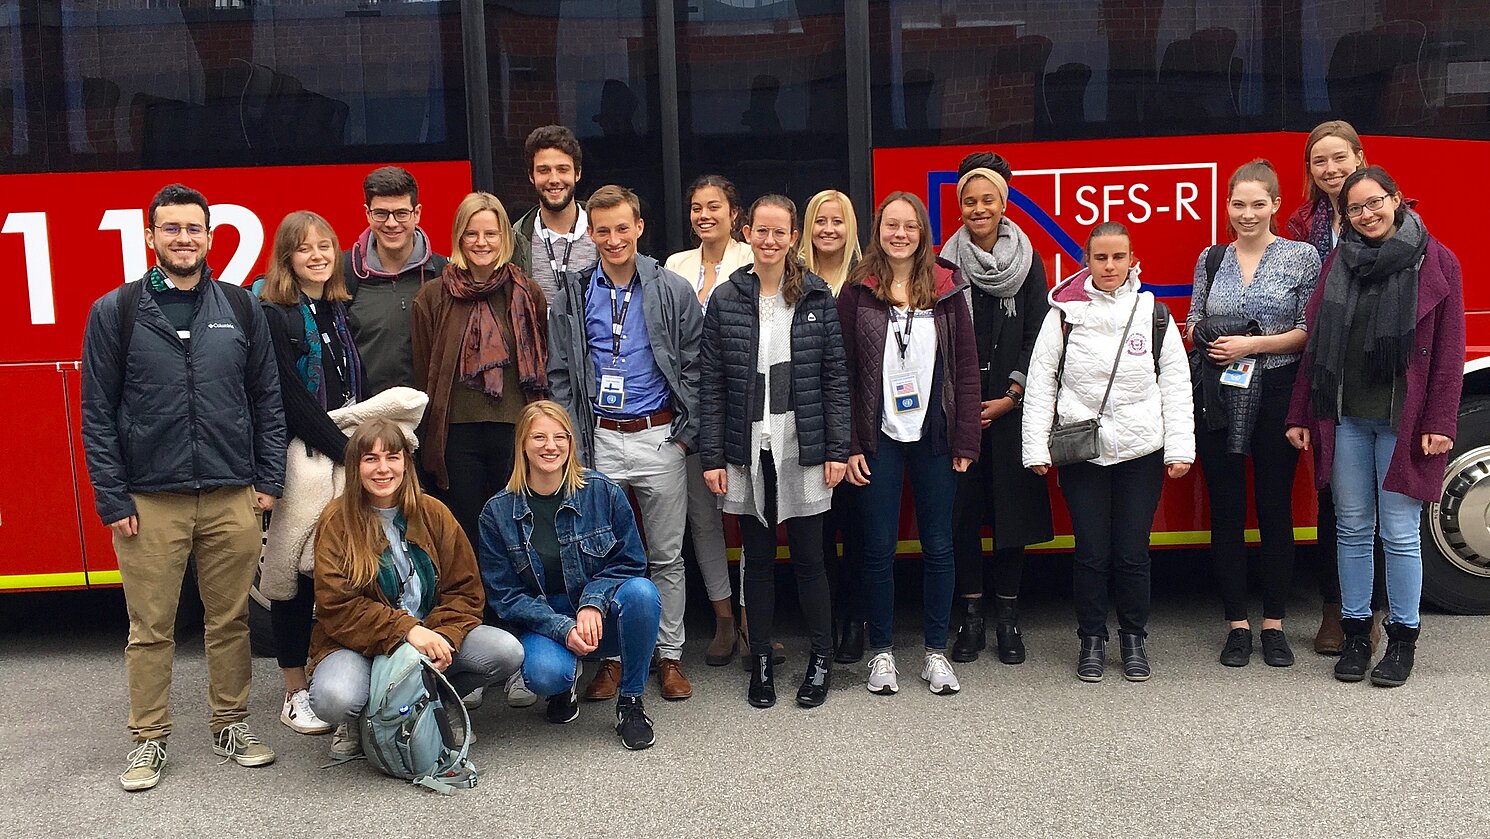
(184, 433)
(384, 270)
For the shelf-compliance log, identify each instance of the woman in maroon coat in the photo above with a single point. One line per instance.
(913, 385)
(1377, 398)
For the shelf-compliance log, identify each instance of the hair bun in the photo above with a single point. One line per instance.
(984, 160)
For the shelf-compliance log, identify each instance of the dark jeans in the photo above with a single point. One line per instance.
(1112, 511)
(933, 485)
(847, 570)
(805, 533)
(970, 512)
(291, 621)
(1274, 462)
(630, 631)
(478, 460)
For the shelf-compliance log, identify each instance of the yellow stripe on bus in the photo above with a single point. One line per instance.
(1163, 539)
(104, 578)
(71, 579)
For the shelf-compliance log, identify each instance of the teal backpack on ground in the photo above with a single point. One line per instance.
(415, 726)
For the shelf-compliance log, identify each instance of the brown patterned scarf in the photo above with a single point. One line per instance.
(483, 353)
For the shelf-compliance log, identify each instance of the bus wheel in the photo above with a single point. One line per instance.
(1456, 528)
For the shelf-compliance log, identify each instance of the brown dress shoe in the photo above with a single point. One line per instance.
(606, 682)
(1330, 639)
(675, 685)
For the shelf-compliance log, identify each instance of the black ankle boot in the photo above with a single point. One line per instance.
(850, 642)
(972, 636)
(1006, 631)
(1135, 657)
(1093, 658)
(1396, 665)
(762, 681)
(1355, 657)
(814, 689)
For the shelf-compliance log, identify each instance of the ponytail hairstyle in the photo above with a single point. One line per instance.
(793, 277)
(876, 263)
(852, 250)
(366, 540)
(1331, 128)
(1257, 171)
(1108, 228)
(731, 197)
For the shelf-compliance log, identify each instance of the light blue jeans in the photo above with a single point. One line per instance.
(1363, 450)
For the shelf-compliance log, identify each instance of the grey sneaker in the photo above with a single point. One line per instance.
(883, 675)
(236, 743)
(346, 743)
(145, 764)
(518, 695)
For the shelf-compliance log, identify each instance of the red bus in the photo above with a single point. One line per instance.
(1135, 110)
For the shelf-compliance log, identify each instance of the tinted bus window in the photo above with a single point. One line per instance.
(162, 83)
(587, 64)
(968, 71)
(763, 95)
(22, 139)
(1397, 67)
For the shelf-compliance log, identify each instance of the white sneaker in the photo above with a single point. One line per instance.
(297, 714)
(938, 676)
(882, 675)
(346, 742)
(518, 695)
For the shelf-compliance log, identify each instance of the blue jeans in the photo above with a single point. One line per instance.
(630, 631)
(1363, 450)
(340, 683)
(933, 486)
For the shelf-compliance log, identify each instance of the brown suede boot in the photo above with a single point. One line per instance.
(721, 650)
(1377, 619)
(1330, 639)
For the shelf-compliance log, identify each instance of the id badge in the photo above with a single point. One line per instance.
(612, 391)
(1239, 372)
(907, 395)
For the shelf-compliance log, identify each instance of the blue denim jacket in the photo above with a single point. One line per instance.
(599, 548)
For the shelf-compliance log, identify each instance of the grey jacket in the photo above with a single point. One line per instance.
(674, 326)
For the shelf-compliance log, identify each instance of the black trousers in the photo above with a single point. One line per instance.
(805, 535)
(970, 512)
(1112, 511)
(846, 570)
(478, 460)
(1274, 462)
(291, 620)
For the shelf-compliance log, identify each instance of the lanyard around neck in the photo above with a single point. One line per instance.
(618, 317)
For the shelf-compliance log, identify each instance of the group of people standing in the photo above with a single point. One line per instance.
(448, 445)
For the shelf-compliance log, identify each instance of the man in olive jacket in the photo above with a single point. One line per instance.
(184, 434)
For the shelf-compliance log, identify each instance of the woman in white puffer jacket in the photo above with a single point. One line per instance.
(1146, 429)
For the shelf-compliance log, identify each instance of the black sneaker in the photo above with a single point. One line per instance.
(632, 723)
(1238, 649)
(563, 708)
(1275, 649)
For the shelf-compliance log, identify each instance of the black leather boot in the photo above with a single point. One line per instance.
(1135, 657)
(762, 681)
(850, 642)
(814, 689)
(1092, 659)
(1396, 665)
(972, 634)
(1006, 631)
(1355, 657)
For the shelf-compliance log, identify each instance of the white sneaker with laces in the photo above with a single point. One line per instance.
(937, 673)
(518, 695)
(297, 714)
(346, 742)
(883, 675)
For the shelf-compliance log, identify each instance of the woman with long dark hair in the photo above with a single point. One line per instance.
(1377, 398)
(914, 394)
(774, 431)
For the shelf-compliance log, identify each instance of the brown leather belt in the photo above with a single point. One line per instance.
(662, 417)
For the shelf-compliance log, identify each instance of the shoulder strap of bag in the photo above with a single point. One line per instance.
(240, 300)
(1122, 342)
(129, 305)
(1161, 328)
(1060, 370)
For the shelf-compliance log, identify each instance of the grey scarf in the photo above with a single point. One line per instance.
(1000, 273)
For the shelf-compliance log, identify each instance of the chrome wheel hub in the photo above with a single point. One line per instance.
(1460, 520)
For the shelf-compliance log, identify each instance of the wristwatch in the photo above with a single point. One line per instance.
(1016, 395)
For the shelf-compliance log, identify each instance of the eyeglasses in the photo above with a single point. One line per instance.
(381, 216)
(544, 439)
(1372, 204)
(174, 230)
(763, 234)
(482, 236)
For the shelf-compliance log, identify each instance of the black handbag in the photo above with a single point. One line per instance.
(1076, 442)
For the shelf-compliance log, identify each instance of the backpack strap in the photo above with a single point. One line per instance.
(1213, 256)
(242, 303)
(1161, 328)
(129, 307)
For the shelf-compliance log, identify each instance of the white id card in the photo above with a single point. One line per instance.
(907, 395)
(1239, 373)
(612, 391)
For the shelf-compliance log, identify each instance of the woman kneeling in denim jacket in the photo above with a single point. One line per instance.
(563, 563)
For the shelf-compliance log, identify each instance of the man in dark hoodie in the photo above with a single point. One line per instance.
(384, 270)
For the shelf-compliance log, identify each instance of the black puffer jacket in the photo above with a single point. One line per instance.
(173, 417)
(733, 393)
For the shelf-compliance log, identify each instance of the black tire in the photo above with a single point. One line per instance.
(1456, 529)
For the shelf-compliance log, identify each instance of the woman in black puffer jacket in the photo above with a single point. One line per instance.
(774, 430)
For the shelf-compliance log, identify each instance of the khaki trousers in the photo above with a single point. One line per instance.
(221, 529)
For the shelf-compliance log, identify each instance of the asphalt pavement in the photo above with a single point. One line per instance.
(1200, 750)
